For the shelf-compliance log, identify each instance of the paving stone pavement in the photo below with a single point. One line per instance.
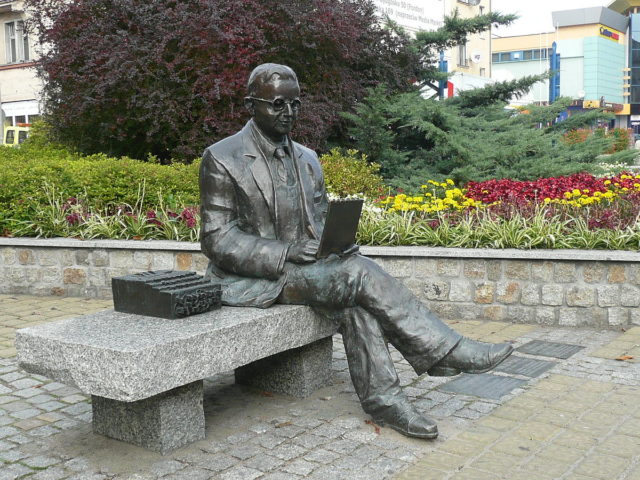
(579, 420)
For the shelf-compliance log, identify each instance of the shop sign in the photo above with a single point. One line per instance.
(610, 34)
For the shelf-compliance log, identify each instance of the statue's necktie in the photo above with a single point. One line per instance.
(281, 168)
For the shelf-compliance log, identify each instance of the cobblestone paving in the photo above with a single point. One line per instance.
(580, 420)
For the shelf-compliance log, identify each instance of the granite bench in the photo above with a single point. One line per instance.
(145, 375)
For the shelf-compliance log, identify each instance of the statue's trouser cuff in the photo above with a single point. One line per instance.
(373, 308)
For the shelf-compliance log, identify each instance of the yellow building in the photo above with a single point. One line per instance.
(19, 87)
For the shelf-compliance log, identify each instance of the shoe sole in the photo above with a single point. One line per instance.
(437, 371)
(426, 436)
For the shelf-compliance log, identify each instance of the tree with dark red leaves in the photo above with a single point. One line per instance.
(167, 77)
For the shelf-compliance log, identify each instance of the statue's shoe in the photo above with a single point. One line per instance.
(471, 356)
(404, 418)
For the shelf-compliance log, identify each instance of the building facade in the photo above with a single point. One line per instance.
(599, 49)
(19, 86)
(470, 64)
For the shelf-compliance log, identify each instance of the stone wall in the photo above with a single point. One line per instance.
(550, 287)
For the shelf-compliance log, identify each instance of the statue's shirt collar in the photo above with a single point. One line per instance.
(265, 144)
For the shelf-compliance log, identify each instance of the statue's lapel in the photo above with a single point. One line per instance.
(261, 173)
(306, 187)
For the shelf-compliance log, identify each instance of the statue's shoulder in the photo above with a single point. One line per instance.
(227, 148)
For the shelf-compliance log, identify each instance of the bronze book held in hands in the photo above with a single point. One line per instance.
(340, 227)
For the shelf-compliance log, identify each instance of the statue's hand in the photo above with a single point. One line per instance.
(304, 251)
(353, 249)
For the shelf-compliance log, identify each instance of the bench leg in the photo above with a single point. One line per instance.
(297, 372)
(161, 423)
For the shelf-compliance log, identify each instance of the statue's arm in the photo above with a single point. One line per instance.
(229, 247)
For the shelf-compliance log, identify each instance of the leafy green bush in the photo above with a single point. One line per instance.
(348, 173)
(104, 182)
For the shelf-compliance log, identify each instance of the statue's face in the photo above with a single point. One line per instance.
(276, 120)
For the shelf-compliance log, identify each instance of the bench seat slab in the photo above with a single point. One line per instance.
(297, 372)
(160, 423)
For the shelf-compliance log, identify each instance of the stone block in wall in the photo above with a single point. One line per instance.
(121, 258)
(474, 269)
(518, 314)
(616, 274)
(32, 275)
(494, 270)
(15, 277)
(74, 276)
(67, 257)
(51, 276)
(594, 272)
(618, 316)
(517, 269)
(143, 260)
(470, 311)
(494, 312)
(8, 256)
(581, 297)
(484, 292)
(545, 316)
(26, 257)
(435, 290)
(184, 261)
(569, 317)
(578, 317)
(634, 316)
(200, 263)
(565, 272)
(396, 267)
(48, 257)
(448, 267)
(530, 294)
(425, 268)
(507, 292)
(633, 273)
(100, 258)
(163, 261)
(104, 292)
(542, 272)
(445, 310)
(96, 277)
(461, 291)
(608, 295)
(629, 296)
(552, 295)
(82, 257)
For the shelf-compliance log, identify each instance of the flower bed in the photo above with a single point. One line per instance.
(577, 211)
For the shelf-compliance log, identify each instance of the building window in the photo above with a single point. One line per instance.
(463, 61)
(520, 56)
(17, 42)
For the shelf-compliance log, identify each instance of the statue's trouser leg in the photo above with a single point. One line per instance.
(390, 310)
(372, 371)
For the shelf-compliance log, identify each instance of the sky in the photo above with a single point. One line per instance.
(535, 16)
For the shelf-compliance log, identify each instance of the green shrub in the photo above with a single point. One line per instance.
(104, 182)
(349, 173)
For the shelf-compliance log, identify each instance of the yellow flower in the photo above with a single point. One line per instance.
(607, 182)
(449, 181)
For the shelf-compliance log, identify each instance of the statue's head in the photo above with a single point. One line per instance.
(273, 99)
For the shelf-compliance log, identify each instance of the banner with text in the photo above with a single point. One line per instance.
(413, 15)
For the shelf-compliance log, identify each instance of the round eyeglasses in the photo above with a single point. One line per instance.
(279, 104)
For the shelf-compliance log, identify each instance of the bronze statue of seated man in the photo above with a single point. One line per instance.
(263, 204)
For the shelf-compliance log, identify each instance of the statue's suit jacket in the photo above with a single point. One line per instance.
(239, 211)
